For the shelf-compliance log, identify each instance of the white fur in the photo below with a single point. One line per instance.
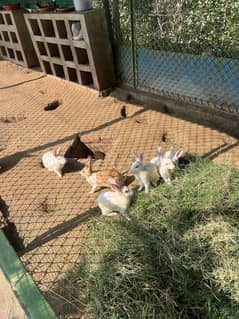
(76, 31)
(111, 202)
(166, 163)
(92, 181)
(155, 160)
(54, 162)
(144, 173)
(165, 168)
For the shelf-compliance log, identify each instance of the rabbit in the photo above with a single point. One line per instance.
(100, 178)
(54, 162)
(174, 156)
(144, 173)
(116, 200)
(166, 163)
(76, 31)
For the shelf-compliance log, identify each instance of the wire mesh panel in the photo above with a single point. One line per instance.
(208, 79)
(119, 22)
(182, 48)
(48, 217)
(187, 26)
(123, 41)
(189, 48)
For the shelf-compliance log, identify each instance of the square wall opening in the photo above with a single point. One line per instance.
(3, 51)
(86, 78)
(11, 53)
(41, 48)
(76, 27)
(8, 19)
(72, 74)
(82, 57)
(5, 36)
(67, 52)
(47, 27)
(61, 28)
(19, 55)
(54, 51)
(13, 37)
(35, 27)
(59, 70)
(47, 67)
(1, 19)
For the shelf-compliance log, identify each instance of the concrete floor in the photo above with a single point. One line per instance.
(51, 213)
(9, 305)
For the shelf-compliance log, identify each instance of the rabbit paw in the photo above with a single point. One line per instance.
(58, 173)
(92, 190)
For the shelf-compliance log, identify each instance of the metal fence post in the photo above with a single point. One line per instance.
(133, 39)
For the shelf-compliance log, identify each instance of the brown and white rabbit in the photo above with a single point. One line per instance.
(101, 178)
(146, 174)
(116, 200)
(54, 161)
(166, 163)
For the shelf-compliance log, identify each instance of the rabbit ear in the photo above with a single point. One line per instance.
(115, 186)
(136, 156)
(160, 151)
(169, 154)
(89, 163)
(54, 152)
(112, 181)
(177, 155)
(141, 157)
(58, 151)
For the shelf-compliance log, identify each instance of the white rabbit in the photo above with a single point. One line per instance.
(117, 200)
(166, 163)
(144, 173)
(54, 162)
(76, 31)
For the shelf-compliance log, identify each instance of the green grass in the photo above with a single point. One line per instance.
(177, 258)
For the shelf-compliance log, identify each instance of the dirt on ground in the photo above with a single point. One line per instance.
(51, 213)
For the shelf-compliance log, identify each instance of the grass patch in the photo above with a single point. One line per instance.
(178, 257)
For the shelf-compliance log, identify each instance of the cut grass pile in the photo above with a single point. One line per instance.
(177, 258)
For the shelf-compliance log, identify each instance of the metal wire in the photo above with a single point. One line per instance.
(51, 215)
(183, 48)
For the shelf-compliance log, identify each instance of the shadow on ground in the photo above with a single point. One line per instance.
(8, 162)
(60, 229)
(9, 228)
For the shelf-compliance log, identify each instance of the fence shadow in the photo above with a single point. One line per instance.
(60, 229)
(21, 83)
(8, 162)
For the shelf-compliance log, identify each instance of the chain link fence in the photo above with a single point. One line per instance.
(183, 48)
(157, 49)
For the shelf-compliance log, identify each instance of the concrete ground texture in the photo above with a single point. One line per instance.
(51, 213)
(9, 304)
